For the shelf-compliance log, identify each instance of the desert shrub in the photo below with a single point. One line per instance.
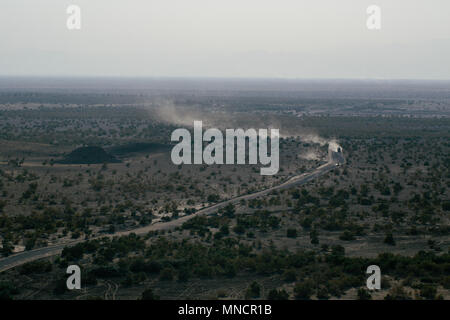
(40, 266)
(322, 293)
(7, 290)
(397, 293)
(304, 290)
(105, 272)
(364, 294)
(290, 275)
(347, 236)
(254, 290)
(389, 239)
(428, 292)
(149, 295)
(275, 294)
(166, 274)
(291, 233)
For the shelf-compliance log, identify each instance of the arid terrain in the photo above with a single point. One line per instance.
(87, 165)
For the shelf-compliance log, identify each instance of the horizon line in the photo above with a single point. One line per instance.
(129, 77)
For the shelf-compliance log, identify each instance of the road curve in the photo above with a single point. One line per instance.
(334, 159)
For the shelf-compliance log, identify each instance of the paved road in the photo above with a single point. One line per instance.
(335, 158)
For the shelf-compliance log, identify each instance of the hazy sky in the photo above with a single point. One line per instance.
(226, 38)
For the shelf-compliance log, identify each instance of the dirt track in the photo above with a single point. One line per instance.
(27, 256)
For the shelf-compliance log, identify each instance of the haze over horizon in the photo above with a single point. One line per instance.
(233, 39)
